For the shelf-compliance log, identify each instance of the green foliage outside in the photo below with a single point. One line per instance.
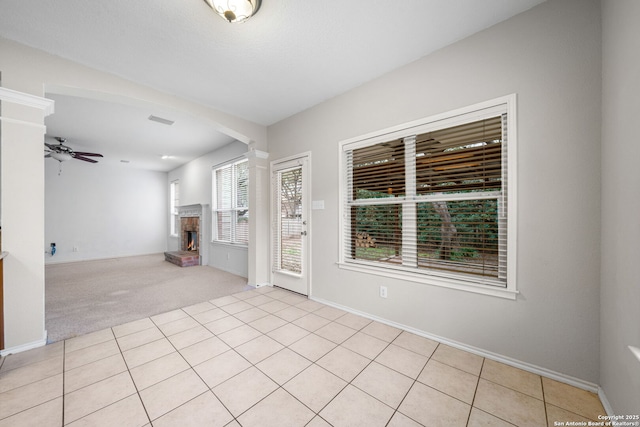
(475, 222)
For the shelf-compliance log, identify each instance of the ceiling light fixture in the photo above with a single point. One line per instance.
(61, 157)
(234, 10)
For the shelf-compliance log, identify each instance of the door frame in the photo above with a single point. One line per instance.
(304, 160)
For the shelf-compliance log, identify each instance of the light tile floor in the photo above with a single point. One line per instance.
(268, 357)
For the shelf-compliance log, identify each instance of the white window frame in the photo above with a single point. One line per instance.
(506, 104)
(173, 207)
(233, 209)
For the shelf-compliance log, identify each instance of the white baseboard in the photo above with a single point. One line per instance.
(567, 379)
(51, 261)
(605, 402)
(24, 347)
(259, 285)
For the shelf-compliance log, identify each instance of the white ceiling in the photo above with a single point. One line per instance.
(292, 55)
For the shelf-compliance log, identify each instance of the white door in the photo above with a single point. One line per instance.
(290, 224)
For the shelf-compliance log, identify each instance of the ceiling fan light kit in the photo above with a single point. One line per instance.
(234, 11)
(62, 153)
(61, 157)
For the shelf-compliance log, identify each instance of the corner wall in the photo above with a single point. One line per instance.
(620, 288)
(550, 57)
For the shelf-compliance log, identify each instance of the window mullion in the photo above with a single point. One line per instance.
(409, 217)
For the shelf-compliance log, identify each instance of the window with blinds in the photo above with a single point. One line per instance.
(173, 207)
(433, 201)
(230, 207)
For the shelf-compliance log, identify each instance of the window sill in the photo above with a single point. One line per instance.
(233, 245)
(432, 280)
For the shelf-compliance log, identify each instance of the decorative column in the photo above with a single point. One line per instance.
(259, 213)
(22, 210)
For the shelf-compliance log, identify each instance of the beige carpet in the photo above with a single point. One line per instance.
(89, 296)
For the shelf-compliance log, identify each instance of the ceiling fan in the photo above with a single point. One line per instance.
(63, 153)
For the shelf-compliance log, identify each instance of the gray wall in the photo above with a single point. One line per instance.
(620, 288)
(103, 210)
(550, 57)
(195, 188)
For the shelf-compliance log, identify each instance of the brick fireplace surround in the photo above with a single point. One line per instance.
(190, 219)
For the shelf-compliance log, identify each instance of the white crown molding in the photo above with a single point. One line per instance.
(258, 154)
(44, 104)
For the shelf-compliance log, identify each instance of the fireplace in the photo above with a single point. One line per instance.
(192, 229)
(192, 241)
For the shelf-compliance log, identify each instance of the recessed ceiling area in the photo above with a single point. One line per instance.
(125, 132)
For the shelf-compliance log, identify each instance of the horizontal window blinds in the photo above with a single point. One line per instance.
(230, 212)
(432, 202)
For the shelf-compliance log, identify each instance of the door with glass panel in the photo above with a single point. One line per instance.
(290, 224)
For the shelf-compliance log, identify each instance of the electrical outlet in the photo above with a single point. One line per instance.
(75, 249)
(383, 291)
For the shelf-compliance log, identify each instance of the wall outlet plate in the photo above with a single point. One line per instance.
(383, 291)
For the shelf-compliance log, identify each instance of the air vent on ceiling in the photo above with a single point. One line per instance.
(160, 120)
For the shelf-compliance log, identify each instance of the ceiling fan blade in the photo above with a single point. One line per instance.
(86, 159)
(47, 155)
(51, 146)
(88, 154)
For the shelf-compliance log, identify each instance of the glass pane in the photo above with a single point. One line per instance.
(376, 233)
(463, 158)
(242, 226)
(290, 215)
(459, 236)
(242, 184)
(224, 196)
(223, 226)
(378, 171)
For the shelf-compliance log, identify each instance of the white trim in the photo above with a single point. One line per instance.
(258, 154)
(259, 285)
(24, 347)
(566, 379)
(492, 108)
(303, 160)
(420, 277)
(287, 159)
(605, 402)
(24, 123)
(470, 113)
(21, 98)
(241, 246)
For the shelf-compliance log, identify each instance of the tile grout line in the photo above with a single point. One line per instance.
(412, 385)
(475, 392)
(131, 376)
(64, 374)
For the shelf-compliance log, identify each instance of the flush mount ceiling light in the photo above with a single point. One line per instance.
(235, 10)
